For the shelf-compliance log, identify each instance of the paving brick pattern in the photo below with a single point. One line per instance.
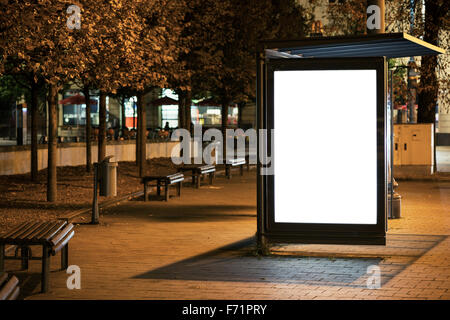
(201, 247)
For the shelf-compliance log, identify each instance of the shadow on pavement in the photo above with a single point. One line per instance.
(29, 283)
(33, 204)
(237, 263)
(183, 213)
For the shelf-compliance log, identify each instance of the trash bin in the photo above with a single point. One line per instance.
(395, 213)
(108, 177)
(396, 204)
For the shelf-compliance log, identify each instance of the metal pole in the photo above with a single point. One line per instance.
(95, 211)
(261, 240)
(258, 165)
(391, 86)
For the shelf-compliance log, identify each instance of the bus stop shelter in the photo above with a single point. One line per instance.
(324, 163)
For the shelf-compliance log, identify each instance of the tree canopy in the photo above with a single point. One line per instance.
(199, 48)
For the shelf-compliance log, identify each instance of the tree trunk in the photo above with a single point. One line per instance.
(134, 116)
(87, 98)
(428, 90)
(187, 110)
(34, 142)
(142, 134)
(136, 125)
(181, 110)
(428, 93)
(52, 144)
(240, 109)
(224, 117)
(138, 136)
(224, 113)
(102, 128)
(122, 110)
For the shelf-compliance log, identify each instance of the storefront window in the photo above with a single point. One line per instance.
(233, 113)
(75, 114)
(212, 116)
(130, 113)
(169, 114)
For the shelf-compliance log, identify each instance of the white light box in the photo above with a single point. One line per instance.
(325, 146)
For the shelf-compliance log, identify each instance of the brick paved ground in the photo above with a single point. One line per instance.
(200, 247)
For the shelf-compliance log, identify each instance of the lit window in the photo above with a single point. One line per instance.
(169, 114)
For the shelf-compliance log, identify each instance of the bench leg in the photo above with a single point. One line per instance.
(241, 169)
(198, 181)
(179, 189)
(158, 188)
(193, 180)
(24, 257)
(211, 176)
(2, 257)
(45, 268)
(145, 191)
(228, 172)
(166, 192)
(65, 257)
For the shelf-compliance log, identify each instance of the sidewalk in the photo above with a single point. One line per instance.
(201, 247)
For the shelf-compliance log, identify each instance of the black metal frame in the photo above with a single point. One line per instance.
(321, 233)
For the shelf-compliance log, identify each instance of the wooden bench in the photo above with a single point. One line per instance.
(198, 171)
(9, 288)
(231, 163)
(163, 181)
(53, 236)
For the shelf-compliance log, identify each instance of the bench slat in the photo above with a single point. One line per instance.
(61, 235)
(175, 181)
(208, 166)
(51, 232)
(3, 278)
(62, 243)
(15, 294)
(175, 176)
(49, 228)
(207, 171)
(24, 230)
(18, 230)
(14, 230)
(33, 230)
(9, 248)
(172, 178)
(8, 287)
(236, 162)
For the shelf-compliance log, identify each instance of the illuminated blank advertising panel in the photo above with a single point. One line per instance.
(334, 146)
(328, 182)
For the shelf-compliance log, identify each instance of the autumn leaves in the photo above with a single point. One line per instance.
(199, 48)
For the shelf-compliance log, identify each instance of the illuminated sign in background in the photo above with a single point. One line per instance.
(325, 146)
